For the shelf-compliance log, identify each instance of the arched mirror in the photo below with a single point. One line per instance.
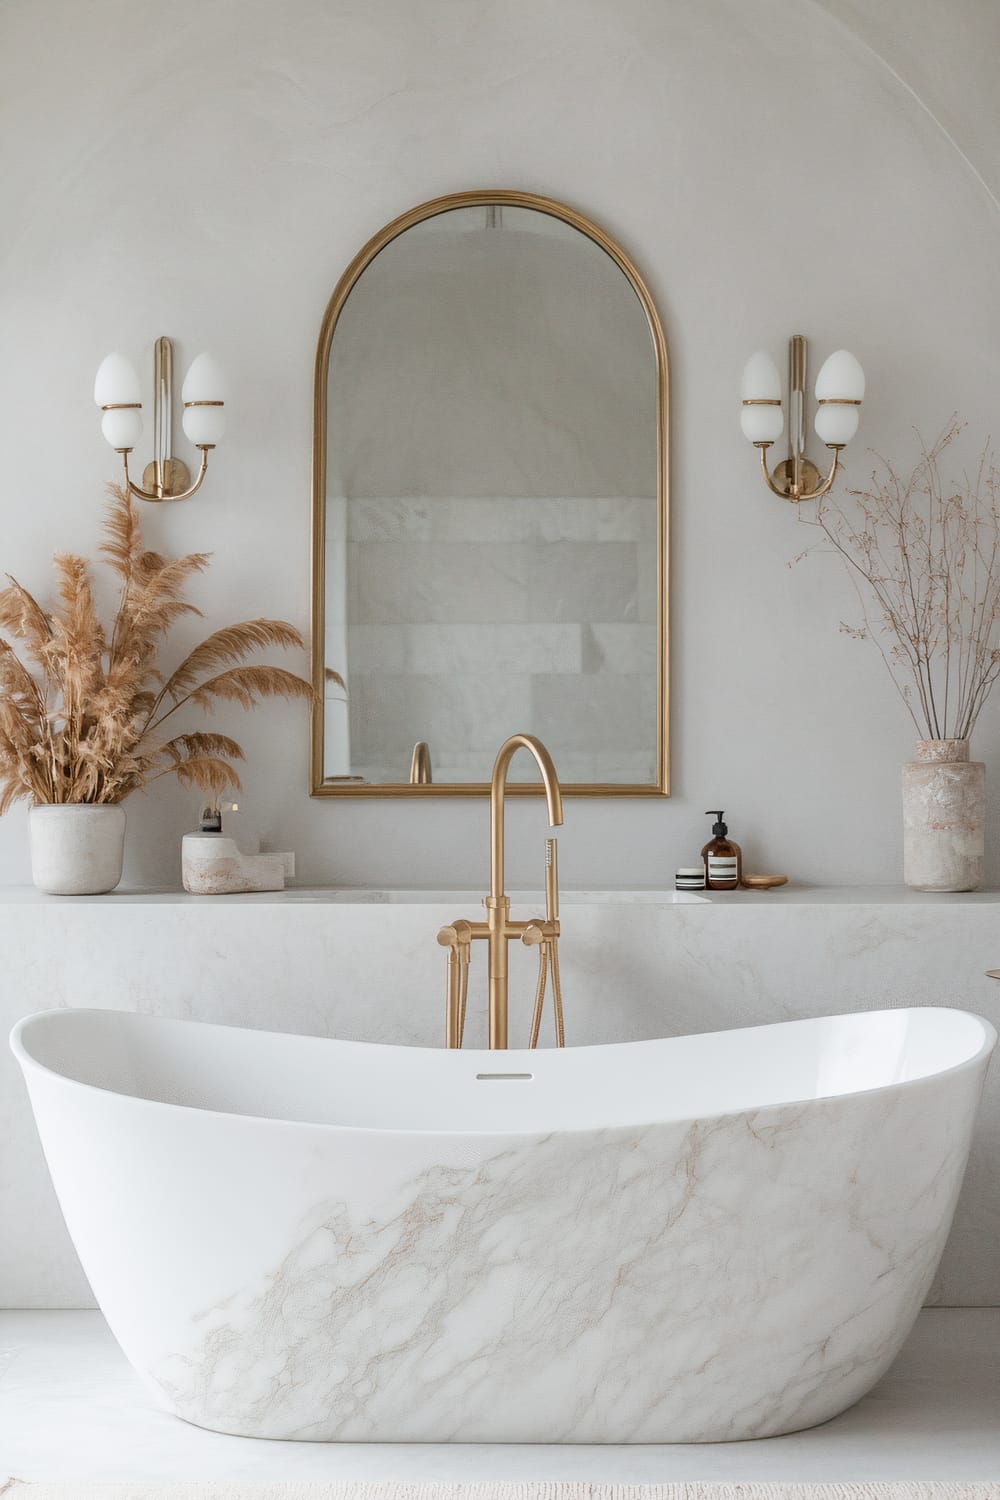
(490, 507)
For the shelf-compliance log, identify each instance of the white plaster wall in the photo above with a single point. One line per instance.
(207, 171)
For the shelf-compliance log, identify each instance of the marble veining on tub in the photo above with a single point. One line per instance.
(613, 1286)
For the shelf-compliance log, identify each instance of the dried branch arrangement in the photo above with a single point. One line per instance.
(924, 556)
(89, 720)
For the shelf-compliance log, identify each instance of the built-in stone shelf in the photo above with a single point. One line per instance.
(789, 895)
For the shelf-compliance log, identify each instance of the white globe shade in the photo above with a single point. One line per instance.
(122, 428)
(761, 380)
(204, 381)
(204, 425)
(762, 424)
(840, 378)
(116, 384)
(836, 425)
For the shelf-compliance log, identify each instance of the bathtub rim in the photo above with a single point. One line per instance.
(29, 1063)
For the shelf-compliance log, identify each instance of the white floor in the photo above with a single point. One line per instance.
(70, 1408)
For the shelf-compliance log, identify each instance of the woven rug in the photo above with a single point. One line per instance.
(916, 1489)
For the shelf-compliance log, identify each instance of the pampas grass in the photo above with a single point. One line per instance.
(89, 719)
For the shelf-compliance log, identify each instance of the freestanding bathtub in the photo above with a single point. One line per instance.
(705, 1238)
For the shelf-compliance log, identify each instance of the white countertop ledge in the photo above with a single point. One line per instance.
(790, 895)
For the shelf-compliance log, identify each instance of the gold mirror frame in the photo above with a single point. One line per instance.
(320, 787)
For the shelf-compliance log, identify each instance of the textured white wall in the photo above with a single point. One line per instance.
(207, 171)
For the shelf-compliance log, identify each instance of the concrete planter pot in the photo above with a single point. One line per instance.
(944, 817)
(77, 849)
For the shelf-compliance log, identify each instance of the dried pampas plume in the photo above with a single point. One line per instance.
(86, 719)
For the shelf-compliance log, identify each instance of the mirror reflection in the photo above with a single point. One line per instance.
(491, 506)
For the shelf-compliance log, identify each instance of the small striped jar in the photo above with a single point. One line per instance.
(690, 878)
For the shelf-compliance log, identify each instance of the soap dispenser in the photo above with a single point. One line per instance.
(722, 858)
(214, 863)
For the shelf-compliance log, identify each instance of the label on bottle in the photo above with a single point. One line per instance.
(722, 869)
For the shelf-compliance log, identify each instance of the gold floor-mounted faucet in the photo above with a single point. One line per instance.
(498, 929)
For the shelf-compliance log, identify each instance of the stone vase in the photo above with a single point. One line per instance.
(77, 849)
(944, 817)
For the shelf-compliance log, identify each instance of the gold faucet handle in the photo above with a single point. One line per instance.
(456, 934)
(534, 933)
(457, 938)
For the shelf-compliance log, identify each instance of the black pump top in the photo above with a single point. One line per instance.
(718, 827)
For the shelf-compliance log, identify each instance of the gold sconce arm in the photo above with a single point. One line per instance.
(783, 484)
(765, 471)
(836, 449)
(142, 494)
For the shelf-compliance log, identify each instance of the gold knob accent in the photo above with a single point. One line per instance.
(457, 932)
(533, 934)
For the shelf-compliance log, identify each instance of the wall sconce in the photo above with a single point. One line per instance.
(840, 389)
(117, 393)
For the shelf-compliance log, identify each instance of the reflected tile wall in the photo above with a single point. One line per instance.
(584, 581)
(389, 713)
(616, 648)
(507, 519)
(421, 649)
(415, 582)
(468, 619)
(599, 713)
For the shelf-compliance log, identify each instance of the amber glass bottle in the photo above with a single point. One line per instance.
(722, 858)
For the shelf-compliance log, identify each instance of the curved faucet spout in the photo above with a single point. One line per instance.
(498, 929)
(498, 788)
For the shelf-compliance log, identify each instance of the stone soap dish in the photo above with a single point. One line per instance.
(212, 865)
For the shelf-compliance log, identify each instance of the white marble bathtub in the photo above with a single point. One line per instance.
(710, 1237)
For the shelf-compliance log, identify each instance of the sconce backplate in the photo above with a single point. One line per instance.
(176, 477)
(809, 477)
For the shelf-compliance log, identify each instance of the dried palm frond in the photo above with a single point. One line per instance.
(207, 773)
(225, 646)
(187, 745)
(85, 726)
(25, 620)
(19, 687)
(123, 543)
(248, 685)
